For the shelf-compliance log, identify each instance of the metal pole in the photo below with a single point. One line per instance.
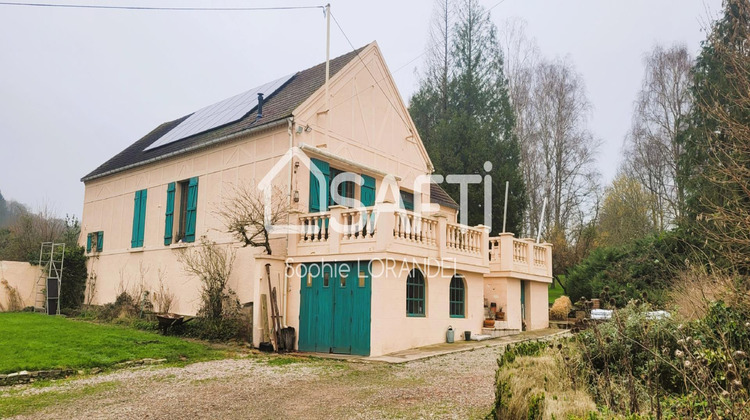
(541, 219)
(328, 54)
(505, 210)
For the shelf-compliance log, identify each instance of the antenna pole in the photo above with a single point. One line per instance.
(541, 219)
(328, 53)
(505, 210)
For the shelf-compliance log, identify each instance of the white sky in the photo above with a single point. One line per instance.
(78, 86)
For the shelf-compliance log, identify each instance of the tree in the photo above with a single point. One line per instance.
(212, 264)
(462, 111)
(660, 116)
(625, 214)
(248, 216)
(3, 210)
(715, 166)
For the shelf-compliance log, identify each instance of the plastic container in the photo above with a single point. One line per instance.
(467, 335)
(449, 335)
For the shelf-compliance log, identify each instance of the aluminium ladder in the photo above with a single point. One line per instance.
(51, 262)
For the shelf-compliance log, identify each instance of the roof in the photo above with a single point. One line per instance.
(276, 107)
(439, 196)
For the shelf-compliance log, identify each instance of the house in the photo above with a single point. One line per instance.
(392, 275)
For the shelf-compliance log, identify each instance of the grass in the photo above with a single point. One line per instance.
(16, 402)
(555, 291)
(30, 341)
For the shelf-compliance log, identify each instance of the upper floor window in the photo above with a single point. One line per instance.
(345, 189)
(186, 193)
(415, 293)
(407, 200)
(95, 242)
(322, 178)
(457, 297)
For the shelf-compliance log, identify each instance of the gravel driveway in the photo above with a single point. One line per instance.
(458, 385)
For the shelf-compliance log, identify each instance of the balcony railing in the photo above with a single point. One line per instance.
(361, 232)
(522, 255)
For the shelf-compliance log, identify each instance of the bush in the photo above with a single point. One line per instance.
(647, 265)
(75, 273)
(697, 369)
(561, 308)
(532, 382)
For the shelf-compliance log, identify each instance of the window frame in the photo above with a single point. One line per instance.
(182, 187)
(454, 290)
(416, 294)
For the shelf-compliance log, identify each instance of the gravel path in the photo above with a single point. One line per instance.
(458, 385)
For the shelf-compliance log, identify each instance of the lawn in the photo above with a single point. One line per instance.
(555, 291)
(30, 341)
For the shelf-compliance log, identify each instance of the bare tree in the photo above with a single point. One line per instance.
(212, 264)
(439, 59)
(659, 116)
(565, 147)
(521, 55)
(250, 213)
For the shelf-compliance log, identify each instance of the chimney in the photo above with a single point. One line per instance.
(260, 106)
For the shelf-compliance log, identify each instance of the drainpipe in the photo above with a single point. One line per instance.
(285, 294)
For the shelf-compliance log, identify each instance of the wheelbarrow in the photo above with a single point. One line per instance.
(166, 321)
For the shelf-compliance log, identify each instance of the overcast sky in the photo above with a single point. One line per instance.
(77, 86)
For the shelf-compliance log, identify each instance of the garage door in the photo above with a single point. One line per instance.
(335, 308)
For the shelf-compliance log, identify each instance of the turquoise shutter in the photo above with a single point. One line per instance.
(142, 220)
(367, 192)
(99, 241)
(136, 221)
(192, 205)
(316, 189)
(88, 243)
(169, 221)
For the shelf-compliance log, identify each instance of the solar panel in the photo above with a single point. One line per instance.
(220, 113)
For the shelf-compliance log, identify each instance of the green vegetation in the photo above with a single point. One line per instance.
(556, 290)
(646, 265)
(532, 382)
(31, 341)
(463, 113)
(16, 402)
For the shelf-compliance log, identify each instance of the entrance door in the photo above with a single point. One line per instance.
(335, 308)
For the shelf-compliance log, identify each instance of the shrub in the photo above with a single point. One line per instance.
(75, 274)
(561, 308)
(646, 265)
(532, 382)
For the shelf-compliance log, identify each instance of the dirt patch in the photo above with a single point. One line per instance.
(453, 386)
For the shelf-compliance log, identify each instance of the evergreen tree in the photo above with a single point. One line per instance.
(3, 210)
(715, 166)
(463, 113)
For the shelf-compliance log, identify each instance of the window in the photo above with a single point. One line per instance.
(186, 193)
(362, 278)
(139, 219)
(415, 293)
(95, 242)
(182, 210)
(326, 279)
(457, 297)
(345, 188)
(407, 200)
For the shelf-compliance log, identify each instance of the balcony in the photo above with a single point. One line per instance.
(520, 258)
(345, 233)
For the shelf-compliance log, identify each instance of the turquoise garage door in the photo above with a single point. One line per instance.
(335, 308)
